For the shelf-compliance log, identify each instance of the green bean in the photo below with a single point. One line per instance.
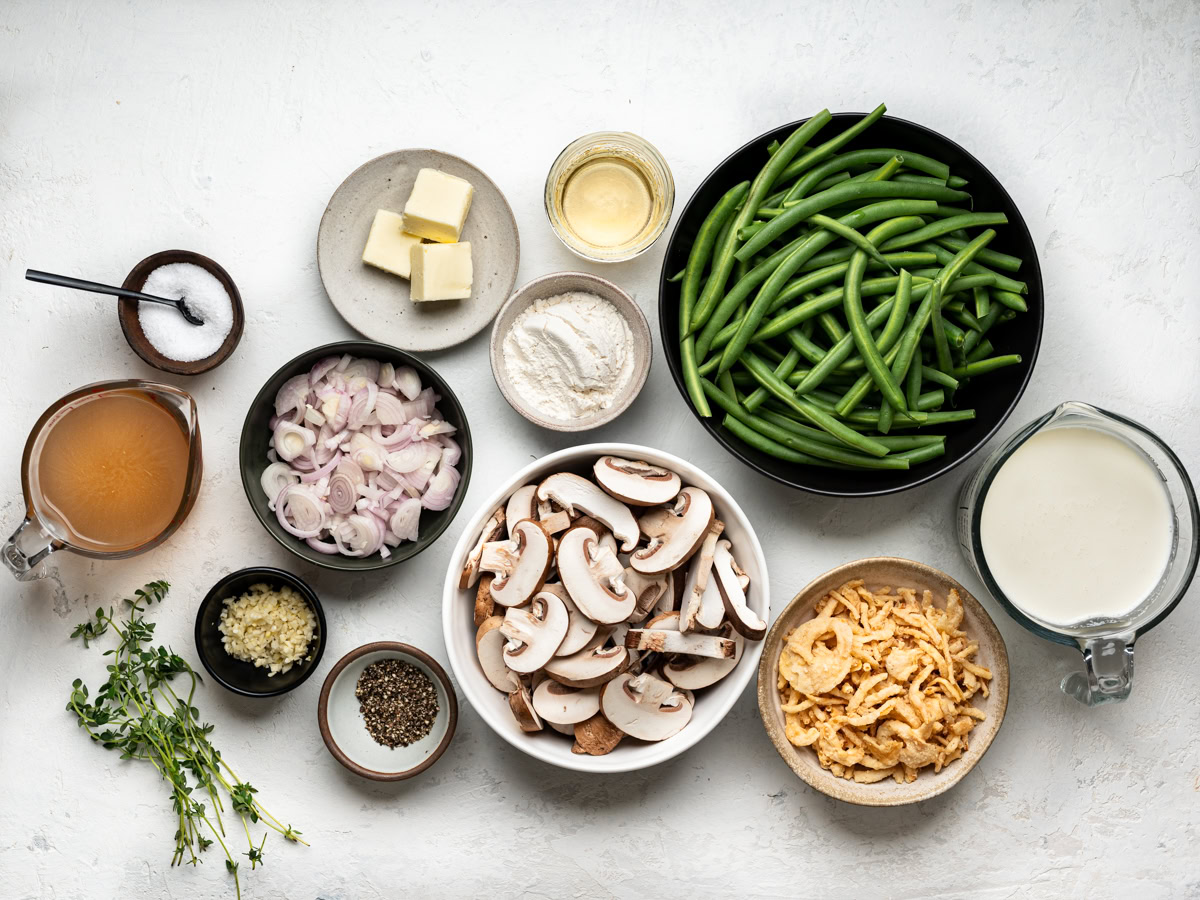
(983, 351)
(785, 368)
(847, 233)
(691, 376)
(833, 330)
(856, 316)
(840, 351)
(920, 179)
(1001, 281)
(1011, 300)
(833, 452)
(903, 259)
(956, 181)
(982, 301)
(980, 366)
(678, 276)
(812, 177)
(811, 411)
(892, 442)
(773, 448)
(924, 419)
(883, 173)
(831, 146)
(759, 188)
(965, 318)
(702, 249)
(858, 391)
(937, 377)
(912, 383)
(874, 212)
(991, 257)
(955, 336)
(923, 454)
(841, 193)
(772, 148)
(942, 226)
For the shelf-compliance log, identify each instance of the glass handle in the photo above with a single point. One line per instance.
(27, 547)
(1108, 671)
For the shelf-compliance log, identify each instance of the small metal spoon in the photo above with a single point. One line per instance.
(95, 287)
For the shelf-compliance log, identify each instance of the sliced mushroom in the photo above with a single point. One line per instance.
(568, 730)
(593, 576)
(484, 604)
(596, 737)
(521, 505)
(534, 632)
(732, 583)
(675, 532)
(576, 494)
(489, 647)
(696, 672)
(694, 643)
(636, 482)
(580, 629)
(648, 589)
(668, 621)
(701, 604)
(492, 529)
(588, 668)
(520, 564)
(564, 705)
(552, 518)
(522, 709)
(645, 707)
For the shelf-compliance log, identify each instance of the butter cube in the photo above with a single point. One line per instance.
(388, 247)
(438, 206)
(441, 272)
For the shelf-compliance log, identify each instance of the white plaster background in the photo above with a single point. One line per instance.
(127, 128)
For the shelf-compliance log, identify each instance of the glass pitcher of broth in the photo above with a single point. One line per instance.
(1083, 525)
(110, 470)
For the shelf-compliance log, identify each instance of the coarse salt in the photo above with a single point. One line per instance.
(167, 330)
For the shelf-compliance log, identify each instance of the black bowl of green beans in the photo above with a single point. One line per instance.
(851, 304)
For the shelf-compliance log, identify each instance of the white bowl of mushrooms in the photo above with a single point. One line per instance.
(605, 608)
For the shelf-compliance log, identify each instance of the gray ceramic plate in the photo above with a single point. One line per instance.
(877, 572)
(376, 303)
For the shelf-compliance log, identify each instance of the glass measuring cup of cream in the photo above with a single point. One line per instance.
(109, 471)
(609, 196)
(1084, 526)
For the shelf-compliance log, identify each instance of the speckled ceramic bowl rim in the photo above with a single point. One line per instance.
(862, 794)
(268, 573)
(400, 650)
(632, 313)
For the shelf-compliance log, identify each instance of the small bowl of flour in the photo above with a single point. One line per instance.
(570, 351)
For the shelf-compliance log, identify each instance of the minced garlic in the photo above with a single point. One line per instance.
(268, 626)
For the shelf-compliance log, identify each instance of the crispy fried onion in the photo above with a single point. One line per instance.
(880, 683)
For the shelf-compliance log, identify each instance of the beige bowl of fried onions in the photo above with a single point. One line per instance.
(883, 682)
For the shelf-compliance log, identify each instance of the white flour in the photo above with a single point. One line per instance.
(569, 355)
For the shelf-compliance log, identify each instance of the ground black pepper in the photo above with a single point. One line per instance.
(398, 702)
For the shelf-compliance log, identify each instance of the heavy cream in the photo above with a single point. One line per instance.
(1077, 525)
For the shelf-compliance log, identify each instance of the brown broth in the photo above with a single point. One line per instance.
(113, 470)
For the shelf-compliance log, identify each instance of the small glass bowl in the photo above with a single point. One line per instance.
(644, 157)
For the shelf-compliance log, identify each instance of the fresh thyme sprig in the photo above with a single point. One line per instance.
(138, 712)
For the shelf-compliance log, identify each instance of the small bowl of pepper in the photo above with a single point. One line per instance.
(387, 711)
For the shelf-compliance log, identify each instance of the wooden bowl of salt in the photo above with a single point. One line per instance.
(177, 346)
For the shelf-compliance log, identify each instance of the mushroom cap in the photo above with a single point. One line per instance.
(642, 708)
(596, 736)
(701, 605)
(591, 575)
(731, 584)
(521, 505)
(580, 629)
(696, 672)
(588, 668)
(489, 647)
(491, 531)
(648, 589)
(636, 482)
(675, 532)
(534, 554)
(564, 705)
(534, 632)
(521, 705)
(576, 494)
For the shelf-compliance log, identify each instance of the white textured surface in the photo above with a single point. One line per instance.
(127, 128)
